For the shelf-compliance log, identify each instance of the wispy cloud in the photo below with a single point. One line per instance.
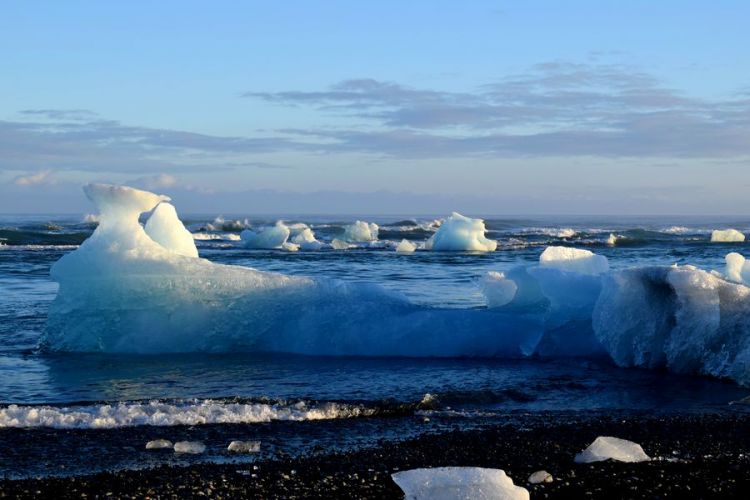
(36, 179)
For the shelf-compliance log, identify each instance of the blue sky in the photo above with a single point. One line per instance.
(489, 107)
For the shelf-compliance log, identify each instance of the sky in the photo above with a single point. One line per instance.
(379, 107)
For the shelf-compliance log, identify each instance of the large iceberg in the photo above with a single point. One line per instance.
(461, 234)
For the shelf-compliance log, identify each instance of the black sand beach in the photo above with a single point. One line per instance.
(694, 456)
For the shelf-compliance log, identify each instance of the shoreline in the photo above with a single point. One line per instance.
(704, 455)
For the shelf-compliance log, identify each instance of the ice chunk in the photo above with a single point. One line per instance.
(612, 239)
(305, 239)
(540, 476)
(461, 234)
(361, 231)
(159, 444)
(497, 289)
(244, 446)
(337, 244)
(606, 448)
(449, 483)
(406, 246)
(738, 269)
(727, 236)
(165, 228)
(574, 260)
(192, 447)
(270, 238)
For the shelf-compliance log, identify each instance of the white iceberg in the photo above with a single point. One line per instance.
(737, 268)
(406, 246)
(727, 236)
(159, 444)
(274, 237)
(305, 239)
(612, 448)
(450, 483)
(191, 447)
(165, 228)
(461, 234)
(497, 289)
(361, 231)
(574, 260)
(244, 447)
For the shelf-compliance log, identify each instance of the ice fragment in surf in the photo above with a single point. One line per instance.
(165, 228)
(305, 239)
(337, 244)
(574, 260)
(448, 483)
(612, 448)
(737, 268)
(612, 240)
(191, 447)
(244, 446)
(727, 236)
(461, 234)
(497, 289)
(159, 444)
(274, 237)
(406, 246)
(361, 231)
(540, 476)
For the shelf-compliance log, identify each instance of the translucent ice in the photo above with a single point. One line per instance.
(406, 246)
(461, 234)
(574, 260)
(361, 232)
(612, 448)
(450, 483)
(305, 239)
(244, 446)
(165, 228)
(727, 236)
(737, 269)
(497, 289)
(159, 444)
(269, 238)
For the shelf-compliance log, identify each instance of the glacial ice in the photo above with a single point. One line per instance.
(274, 237)
(338, 244)
(612, 448)
(165, 228)
(497, 289)
(244, 446)
(191, 447)
(450, 483)
(159, 444)
(406, 246)
(727, 236)
(361, 231)
(461, 234)
(737, 268)
(305, 239)
(574, 260)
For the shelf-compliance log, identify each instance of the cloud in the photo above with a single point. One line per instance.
(153, 182)
(36, 179)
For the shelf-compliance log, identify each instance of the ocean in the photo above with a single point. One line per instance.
(331, 389)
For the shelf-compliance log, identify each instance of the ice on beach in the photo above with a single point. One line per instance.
(191, 447)
(461, 234)
(165, 228)
(361, 231)
(244, 447)
(159, 444)
(274, 237)
(612, 448)
(497, 289)
(573, 260)
(406, 246)
(727, 236)
(450, 483)
(540, 476)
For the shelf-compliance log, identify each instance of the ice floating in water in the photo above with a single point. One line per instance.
(337, 244)
(612, 240)
(737, 269)
(269, 238)
(450, 483)
(305, 239)
(192, 447)
(244, 447)
(361, 232)
(461, 234)
(497, 289)
(167, 230)
(406, 246)
(612, 448)
(574, 260)
(159, 444)
(727, 236)
(221, 224)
